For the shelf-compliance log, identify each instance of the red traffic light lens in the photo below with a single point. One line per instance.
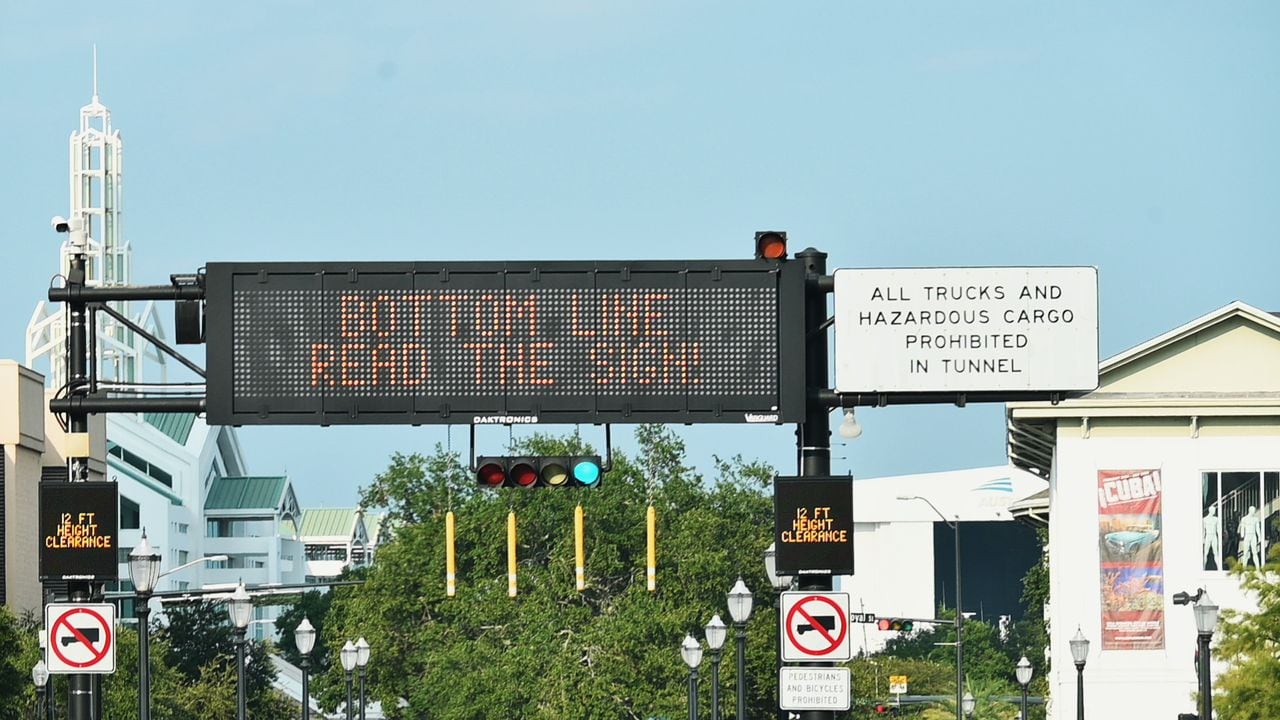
(771, 245)
(492, 474)
(524, 475)
(884, 624)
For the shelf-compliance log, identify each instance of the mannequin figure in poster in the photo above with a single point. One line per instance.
(1213, 538)
(1251, 538)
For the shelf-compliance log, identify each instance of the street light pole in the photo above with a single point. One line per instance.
(144, 572)
(691, 653)
(362, 659)
(40, 676)
(716, 632)
(348, 658)
(740, 601)
(1079, 653)
(304, 638)
(955, 526)
(240, 607)
(1023, 673)
(1206, 612)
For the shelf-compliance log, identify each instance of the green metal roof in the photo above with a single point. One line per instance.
(245, 493)
(327, 522)
(176, 425)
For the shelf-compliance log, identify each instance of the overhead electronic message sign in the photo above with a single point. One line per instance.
(474, 343)
(79, 530)
(982, 329)
(813, 522)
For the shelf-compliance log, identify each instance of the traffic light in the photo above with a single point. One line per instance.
(895, 624)
(525, 472)
(771, 245)
(883, 709)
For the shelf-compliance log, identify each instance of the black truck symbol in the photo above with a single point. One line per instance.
(90, 634)
(826, 621)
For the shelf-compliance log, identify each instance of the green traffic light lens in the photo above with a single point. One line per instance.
(586, 472)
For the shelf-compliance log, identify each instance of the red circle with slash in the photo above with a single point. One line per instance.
(834, 640)
(64, 621)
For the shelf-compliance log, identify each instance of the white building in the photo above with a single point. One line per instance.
(178, 478)
(337, 539)
(1167, 472)
(904, 554)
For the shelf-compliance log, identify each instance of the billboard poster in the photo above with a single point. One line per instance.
(1131, 566)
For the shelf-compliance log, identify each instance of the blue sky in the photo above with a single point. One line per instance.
(1139, 137)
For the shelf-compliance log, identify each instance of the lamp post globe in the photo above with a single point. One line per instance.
(1023, 672)
(1206, 612)
(968, 703)
(348, 659)
(40, 676)
(144, 566)
(304, 638)
(240, 607)
(779, 582)
(740, 600)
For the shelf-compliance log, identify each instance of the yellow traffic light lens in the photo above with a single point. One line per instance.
(554, 474)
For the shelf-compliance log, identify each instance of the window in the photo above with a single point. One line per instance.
(141, 464)
(123, 554)
(1240, 517)
(130, 514)
(241, 527)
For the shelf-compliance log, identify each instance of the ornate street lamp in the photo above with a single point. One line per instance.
(144, 573)
(740, 610)
(691, 653)
(240, 607)
(1023, 672)
(1206, 612)
(304, 637)
(968, 704)
(40, 676)
(362, 659)
(1079, 653)
(348, 657)
(716, 632)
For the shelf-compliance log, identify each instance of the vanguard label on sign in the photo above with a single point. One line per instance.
(966, 329)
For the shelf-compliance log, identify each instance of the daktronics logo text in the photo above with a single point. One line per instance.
(504, 419)
(1129, 488)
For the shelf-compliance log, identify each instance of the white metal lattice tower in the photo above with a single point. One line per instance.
(97, 164)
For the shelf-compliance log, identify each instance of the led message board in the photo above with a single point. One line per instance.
(473, 343)
(79, 530)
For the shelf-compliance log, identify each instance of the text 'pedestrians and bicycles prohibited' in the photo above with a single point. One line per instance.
(80, 638)
(815, 626)
(806, 688)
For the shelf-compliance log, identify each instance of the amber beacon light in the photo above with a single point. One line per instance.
(771, 245)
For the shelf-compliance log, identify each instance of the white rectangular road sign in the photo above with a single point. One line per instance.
(80, 638)
(815, 626)
(806, 688)
(992, 329)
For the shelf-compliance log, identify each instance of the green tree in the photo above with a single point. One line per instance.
(1249, 646)
(610, 652)
(202, 642)
(17, 692)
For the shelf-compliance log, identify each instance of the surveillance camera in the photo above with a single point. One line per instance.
(60, 224)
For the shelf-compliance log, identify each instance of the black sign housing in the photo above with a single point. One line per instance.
(505, 342)
(813, 521)
(79, 530)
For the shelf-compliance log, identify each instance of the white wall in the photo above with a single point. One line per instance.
(1137, 684)
(893, 563)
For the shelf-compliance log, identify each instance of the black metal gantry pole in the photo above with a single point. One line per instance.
(959, 626)
(814, 435)
(80, 703)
